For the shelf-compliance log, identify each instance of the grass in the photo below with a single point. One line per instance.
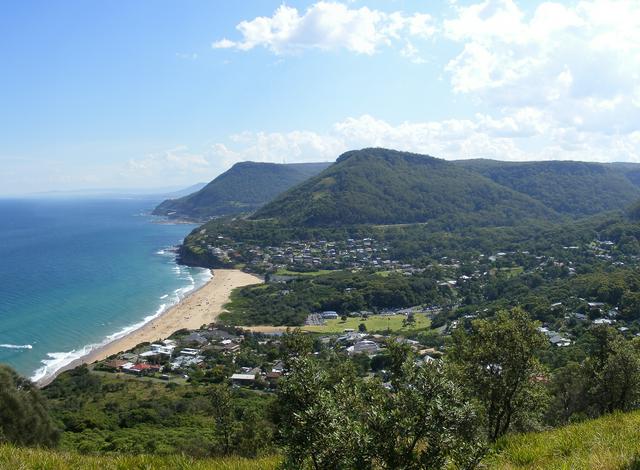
(373, 323)
(608, 443)
(26, 458)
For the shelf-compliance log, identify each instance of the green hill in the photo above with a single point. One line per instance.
(380, 186)
(243, 188)
(568, 187)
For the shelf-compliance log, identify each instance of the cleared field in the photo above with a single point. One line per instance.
(373, 323)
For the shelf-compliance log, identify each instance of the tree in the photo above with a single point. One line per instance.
(362, 328)
(496, 361)
(568, 390)
(331, 418)
(410, 320)
(424, 421)
(24, 418)
(223, 413)
(612, 372)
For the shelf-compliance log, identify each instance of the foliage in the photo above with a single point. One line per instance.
(497, 363)
(608, 380)
(99, 414)
(332, 419)
(344, 292)
(24, 418)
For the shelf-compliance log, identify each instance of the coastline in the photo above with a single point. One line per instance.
(201, 306)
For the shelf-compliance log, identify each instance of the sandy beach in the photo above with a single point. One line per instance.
(200, 307)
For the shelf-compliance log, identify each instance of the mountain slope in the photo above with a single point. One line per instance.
(630, 170)
(568, 187)
(243, 188)
(380, 186)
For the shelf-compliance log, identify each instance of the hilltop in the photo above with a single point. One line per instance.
(568, 187)
(245, 187)
(380, 186)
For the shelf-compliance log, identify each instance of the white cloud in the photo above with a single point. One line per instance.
(187, 55)
(329, 26)
(276, 147)
(579, 64)
(525, 135)
(172, 163)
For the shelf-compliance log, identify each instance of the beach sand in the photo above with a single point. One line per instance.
(198, 308)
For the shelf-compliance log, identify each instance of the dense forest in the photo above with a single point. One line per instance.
(379, 186)
(243, 188)
(573, 188)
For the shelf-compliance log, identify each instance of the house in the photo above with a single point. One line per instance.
(196, 338)
(163, 349)
(152, 356)
(115, 364)
(428, 359)
(229, 346)
(559, 341)
(182, 362)
(142, 369)
(330, 315)
(243, 379)
(273, 377)
(364, 347)
(603, 321)
(189, 352)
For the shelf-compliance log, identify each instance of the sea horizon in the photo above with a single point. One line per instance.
(78, 273)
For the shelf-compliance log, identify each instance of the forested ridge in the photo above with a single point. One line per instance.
(243, 188)
(380, 186)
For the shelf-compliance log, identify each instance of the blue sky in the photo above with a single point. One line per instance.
(164, 93)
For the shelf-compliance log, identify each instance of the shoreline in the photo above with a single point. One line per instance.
(199, 307)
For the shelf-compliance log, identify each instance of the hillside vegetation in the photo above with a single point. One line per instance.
(243, 188)
(380, 186)
(30, 458)
(573, 188)
(607, 443)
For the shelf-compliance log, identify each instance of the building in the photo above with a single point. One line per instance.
(243, 379)
(364, 347)
(330, 315)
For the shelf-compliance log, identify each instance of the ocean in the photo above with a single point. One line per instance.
(76, 273)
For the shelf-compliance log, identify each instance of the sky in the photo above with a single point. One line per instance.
(159, 93)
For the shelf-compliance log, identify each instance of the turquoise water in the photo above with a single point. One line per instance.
(76, 273)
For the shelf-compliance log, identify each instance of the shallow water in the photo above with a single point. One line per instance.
(76, 273)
